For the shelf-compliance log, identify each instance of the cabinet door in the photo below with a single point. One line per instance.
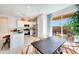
(21, 23)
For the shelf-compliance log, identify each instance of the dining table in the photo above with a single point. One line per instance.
(48, 45)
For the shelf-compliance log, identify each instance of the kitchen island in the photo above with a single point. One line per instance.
(16, 40)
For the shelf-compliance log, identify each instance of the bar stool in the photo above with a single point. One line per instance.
(7, 41)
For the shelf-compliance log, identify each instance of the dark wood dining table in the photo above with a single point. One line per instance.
(48, 45)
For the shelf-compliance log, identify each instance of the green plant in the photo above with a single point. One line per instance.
(74, 23)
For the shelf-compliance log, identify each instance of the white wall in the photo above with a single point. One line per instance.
(7, 24)
(12, 22)
(42, 25)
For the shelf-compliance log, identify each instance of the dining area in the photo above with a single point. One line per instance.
(51, 45)
(44, 45)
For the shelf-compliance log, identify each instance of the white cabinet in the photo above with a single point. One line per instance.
(20, 23)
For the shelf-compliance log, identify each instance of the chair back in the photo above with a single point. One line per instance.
(67, 50)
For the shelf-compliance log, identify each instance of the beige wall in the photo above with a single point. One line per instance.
(3, 26)
(6, 24)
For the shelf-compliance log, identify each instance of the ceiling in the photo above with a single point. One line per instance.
(29, 9)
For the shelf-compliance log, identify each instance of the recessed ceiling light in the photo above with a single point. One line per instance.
(28, 6)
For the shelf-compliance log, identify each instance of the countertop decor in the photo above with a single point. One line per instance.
(17, 30)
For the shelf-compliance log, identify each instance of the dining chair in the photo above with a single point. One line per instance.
(7, 41)
(76, 48)
(29, 50)
(25, 49)
(69, 50)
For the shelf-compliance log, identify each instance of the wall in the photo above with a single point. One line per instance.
(42, 25)
(12, 22)
(6, 24)
(3, 25)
